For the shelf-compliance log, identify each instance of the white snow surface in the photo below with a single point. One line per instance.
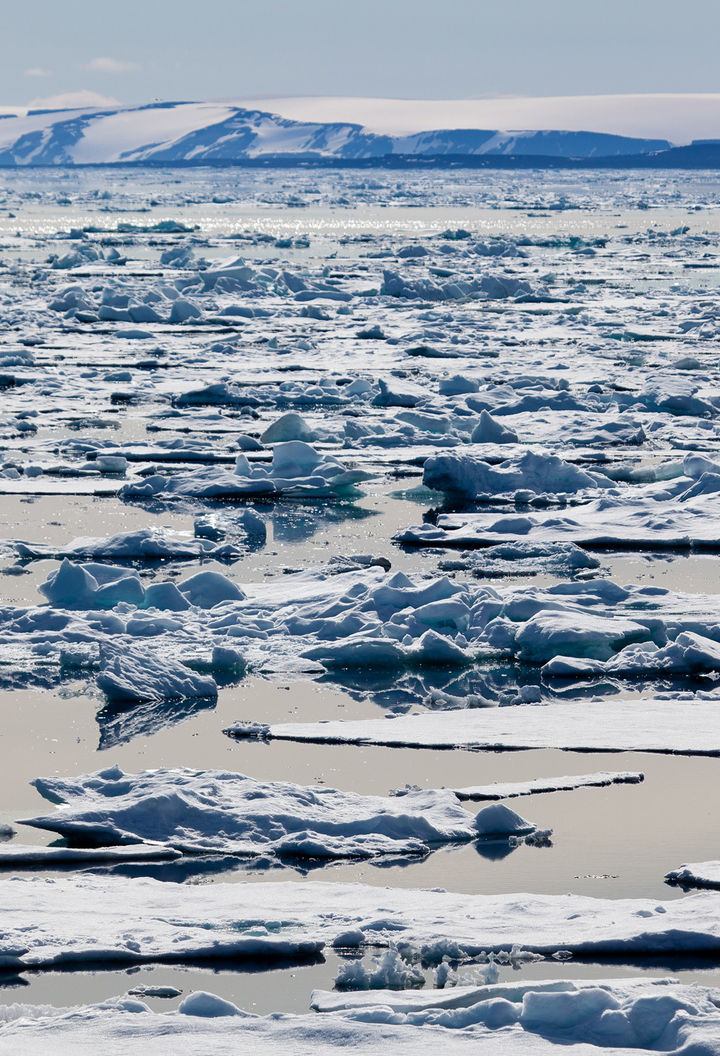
(616, 1017)
(678, 116)
(608, 724)
(141, 921)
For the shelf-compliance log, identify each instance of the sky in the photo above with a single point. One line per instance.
(72, 52)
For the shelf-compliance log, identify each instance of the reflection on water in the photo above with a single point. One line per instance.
(146, 718)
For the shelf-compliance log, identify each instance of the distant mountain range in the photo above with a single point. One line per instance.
(186, 133)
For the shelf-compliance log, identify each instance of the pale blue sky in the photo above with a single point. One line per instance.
(140, 50)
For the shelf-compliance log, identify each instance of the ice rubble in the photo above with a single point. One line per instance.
(139, 921)
(513, 559)
(390, 971)
(488, 287)
(681, 726)
(220, 812)
(329, 619)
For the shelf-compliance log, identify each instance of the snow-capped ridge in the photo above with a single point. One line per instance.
(207, 132)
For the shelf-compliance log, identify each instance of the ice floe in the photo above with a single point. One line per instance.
(512, 789)
(220, 812)
(140, 920)
(296, 471)
(687, 727)
(606, 1016)
(697, 874)
(144, 544)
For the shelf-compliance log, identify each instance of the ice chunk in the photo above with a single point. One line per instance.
(290, 427)
(697, 874)
(540, 474)
(490, 431)
(128, 677)
(207, 589)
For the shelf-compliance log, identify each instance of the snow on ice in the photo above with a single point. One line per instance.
(220, 812)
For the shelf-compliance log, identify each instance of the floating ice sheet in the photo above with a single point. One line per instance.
(512, 789)
(215, 811)
(140, 921)
(686, 727)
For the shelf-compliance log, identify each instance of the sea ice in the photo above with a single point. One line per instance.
(138, 921)
(220, 812)
(683, 726)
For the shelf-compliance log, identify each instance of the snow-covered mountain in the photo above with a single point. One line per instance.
(185, 132)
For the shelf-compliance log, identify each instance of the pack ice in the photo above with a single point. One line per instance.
(293, 426)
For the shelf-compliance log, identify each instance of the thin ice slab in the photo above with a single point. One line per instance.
(682, 727)
(512, 789)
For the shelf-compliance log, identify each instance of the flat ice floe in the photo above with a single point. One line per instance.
(674, 506)
(513, 789)
(687, 727)
(139, 921)
(16, 854)
(615, 1017)
(214, 811)
(630, 523)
